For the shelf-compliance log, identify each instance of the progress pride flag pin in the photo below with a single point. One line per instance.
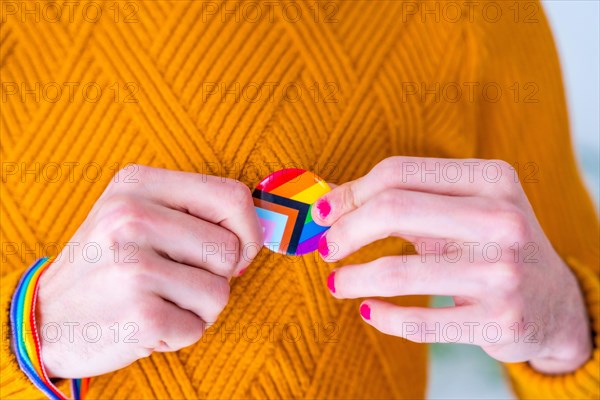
(283, 202)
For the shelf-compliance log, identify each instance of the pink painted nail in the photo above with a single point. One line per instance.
(324, 208)
(331, 282)
(365, 311)
(323, 248)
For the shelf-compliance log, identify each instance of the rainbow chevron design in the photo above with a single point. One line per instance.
(283, 201)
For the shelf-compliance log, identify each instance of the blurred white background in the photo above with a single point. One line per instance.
(576, 32)
(466, 372)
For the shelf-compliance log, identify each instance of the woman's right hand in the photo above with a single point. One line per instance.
(169, 243)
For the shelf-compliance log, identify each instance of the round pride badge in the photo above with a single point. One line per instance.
(283, 202)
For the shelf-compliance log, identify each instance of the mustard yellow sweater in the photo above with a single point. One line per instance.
(174, 84)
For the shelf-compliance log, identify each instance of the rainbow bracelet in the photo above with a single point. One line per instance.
(25, 337)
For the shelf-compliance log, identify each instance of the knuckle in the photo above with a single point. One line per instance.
(504, 166)
(135, 278)
(385, 323)
(508, 315)
(123, 217)
(229, 240)
(387, 169)
(506, 279)
(222, 249)
(193, 333)
(502, 178)
(414, 317)
(348, 199)
(230, 245)
(146, 267)
(238, 195)
(230, 258)
(150, 318)
(393, 278)
(511, 224)
(389, 164)
(413, 326)
(219, 293)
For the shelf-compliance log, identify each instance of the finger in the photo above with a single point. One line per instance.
(425, 325)
(408, 275)
(215, 199)
(163, 326)
(194, 289)
(247, 227)
(453, 177)
(193, 241)
(397, 212)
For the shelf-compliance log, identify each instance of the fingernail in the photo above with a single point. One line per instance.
(324, 208)
(365, 311)
(242, 271)
(323, 248)
(331, 282)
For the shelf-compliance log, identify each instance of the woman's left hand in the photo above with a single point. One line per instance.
(477, 240)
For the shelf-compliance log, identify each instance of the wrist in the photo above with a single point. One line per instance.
(44, 319)
(26, 341)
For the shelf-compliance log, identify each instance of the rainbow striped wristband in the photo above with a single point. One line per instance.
(26, 343)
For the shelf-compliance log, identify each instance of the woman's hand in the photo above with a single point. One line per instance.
(478, 240)
(146, 271)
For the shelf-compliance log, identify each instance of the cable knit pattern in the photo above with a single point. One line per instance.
(348, 67)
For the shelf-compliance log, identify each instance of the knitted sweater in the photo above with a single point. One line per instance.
(241, 90)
